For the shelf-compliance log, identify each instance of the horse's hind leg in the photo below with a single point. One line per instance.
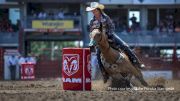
(143, 82)
(121, 80)
(139, 76)
(127, 79)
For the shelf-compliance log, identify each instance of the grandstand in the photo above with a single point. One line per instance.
(154, 35)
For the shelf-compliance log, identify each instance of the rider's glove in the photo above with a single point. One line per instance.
(96, 25)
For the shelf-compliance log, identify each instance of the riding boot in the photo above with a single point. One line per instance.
(101, 67)
(131, 55)
(133, 58)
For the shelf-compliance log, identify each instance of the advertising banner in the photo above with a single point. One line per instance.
(53, 24)
(76, 69)
(27, 71)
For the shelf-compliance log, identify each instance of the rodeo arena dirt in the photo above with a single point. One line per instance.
(73, 74)
(83, 87)
(52, 90)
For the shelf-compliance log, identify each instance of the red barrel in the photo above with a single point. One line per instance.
(76, 69)
(27, 71)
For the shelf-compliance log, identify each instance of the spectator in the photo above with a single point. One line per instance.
(177, 28)
(30, 59)
(12, 66)
(18, 25)
(162, 26)
(42, 15)
(33, 13)
(6, 25)
(133, 19)
(51, 15)
(169, 21)
(135, 25)
(61, 15)
(20, 62)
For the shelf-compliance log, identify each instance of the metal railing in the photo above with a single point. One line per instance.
(150, 38)
(9, 38)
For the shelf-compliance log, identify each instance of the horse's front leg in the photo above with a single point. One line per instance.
(101, 67)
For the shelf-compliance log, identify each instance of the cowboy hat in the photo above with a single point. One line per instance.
(94, 5)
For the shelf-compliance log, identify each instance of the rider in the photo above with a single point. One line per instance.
(101, 20)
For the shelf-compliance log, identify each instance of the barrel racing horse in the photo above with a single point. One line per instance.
(116, 63)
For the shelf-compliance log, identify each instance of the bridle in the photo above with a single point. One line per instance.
(101, 35)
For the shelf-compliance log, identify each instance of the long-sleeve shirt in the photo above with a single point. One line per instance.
(13, 61)
(105, 20)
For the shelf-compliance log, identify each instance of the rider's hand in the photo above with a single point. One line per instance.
(96, 25)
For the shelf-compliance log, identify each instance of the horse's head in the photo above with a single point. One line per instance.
(95, 37)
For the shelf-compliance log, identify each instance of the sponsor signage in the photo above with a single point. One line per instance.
(27, 71)
(53, 24)
(76, 70)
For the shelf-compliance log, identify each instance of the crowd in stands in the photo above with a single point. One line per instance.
(167, 25)
(7, 26)
(177, 27)
(56, 15)
(123, 27)
(60, 14)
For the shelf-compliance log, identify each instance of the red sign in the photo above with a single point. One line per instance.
(27, 71)
(76, 71)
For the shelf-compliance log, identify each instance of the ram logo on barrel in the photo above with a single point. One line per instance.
(70, 63)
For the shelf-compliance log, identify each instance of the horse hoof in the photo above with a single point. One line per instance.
(144, 83)
(105, 81)
(105, 78)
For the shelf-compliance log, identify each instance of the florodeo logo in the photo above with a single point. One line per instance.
(70, 63)
(29, 70)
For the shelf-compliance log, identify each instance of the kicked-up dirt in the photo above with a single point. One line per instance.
(51, 90)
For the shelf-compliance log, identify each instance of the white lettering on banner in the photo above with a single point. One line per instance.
(72, 80)
(88, 80)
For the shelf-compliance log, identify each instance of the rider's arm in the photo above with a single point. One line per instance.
(91, 25)
(110, 25)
